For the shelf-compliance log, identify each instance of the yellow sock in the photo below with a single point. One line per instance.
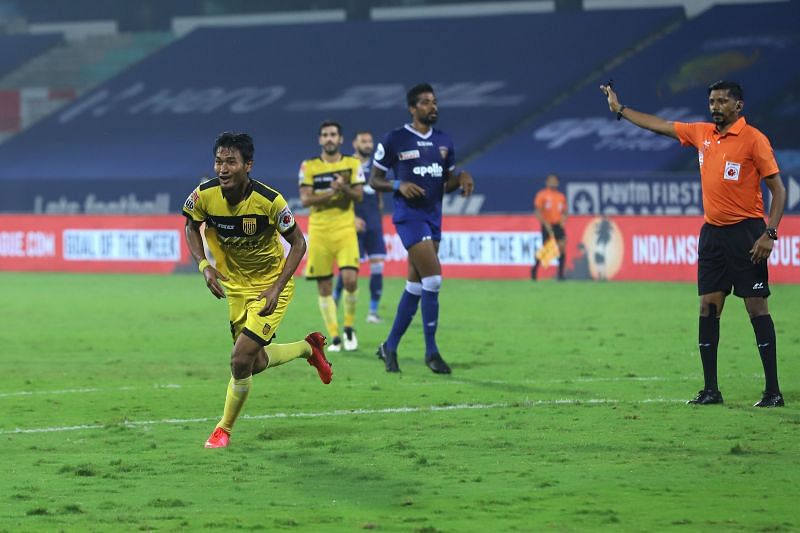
(238, 389)
(283, 353)
(328, 309)
(350, 299)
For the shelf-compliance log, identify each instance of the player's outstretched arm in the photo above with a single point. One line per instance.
(297, 250)
(459, 179)
(195, 243)
(643, 120)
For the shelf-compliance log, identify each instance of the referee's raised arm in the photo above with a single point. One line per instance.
(643, 120)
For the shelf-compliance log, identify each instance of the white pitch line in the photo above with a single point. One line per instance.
(438, 383)
(345, 412)
(86, 390)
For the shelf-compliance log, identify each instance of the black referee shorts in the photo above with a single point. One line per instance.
(558, 232)
(724, 260)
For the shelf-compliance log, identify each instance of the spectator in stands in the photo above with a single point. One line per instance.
(330, 184)
(369, 225)
(423, 161)
(550, 209)
(243, 219)
(734, 241)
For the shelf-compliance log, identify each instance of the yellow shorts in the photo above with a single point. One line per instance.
(243, 308)
(326, 246)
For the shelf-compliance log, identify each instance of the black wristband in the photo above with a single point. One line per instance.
(621, 109)
(772, 233)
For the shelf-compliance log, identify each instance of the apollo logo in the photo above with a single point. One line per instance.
(435, 171)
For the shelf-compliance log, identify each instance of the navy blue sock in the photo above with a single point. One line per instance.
(406, 309)
(430, 319)
(375, 291)
(337, 290)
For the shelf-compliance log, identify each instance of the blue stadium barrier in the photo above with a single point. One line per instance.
(149, 131)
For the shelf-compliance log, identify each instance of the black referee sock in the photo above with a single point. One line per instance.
(562, 262)
(764, 329)
(708, 341)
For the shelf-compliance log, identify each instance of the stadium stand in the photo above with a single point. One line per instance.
(148, 131)
(581, 140)
(84, 63)
(17, 49)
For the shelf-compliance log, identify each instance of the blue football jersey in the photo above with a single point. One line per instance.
(420, 159)
(368, 208)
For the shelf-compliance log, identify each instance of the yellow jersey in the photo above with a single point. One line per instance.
(319, 174)
(243, 238)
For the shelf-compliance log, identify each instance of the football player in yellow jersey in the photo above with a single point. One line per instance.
(329, 184)
(244, 219)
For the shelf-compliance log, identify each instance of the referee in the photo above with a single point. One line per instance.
(734, 241)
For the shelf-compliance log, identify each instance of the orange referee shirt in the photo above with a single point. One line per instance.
(551, 204)
(731, 169)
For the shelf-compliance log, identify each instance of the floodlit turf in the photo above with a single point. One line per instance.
(565, 411)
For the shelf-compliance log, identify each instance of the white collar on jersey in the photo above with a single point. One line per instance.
(410, 128)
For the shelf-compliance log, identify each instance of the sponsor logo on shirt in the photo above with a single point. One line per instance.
(732, 171)
(409, 154)
(380, 152)
(424, 143)
(435, 171)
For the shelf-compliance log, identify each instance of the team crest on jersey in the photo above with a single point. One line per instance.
(249, 225)
(266, 329)
(443, 150)
(732, 171)
(191, 200)
(285, 219)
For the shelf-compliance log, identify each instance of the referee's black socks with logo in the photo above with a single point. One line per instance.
(764, 329)
(708, 341)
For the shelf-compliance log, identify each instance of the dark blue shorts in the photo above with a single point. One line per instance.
(370, 242)
(413, 231)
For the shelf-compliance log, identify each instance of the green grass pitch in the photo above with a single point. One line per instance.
(565, 411)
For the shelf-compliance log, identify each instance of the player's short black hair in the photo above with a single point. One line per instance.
(241, 141)
(361, 132)
(733, 88)
(413, 93)
(328, 123)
